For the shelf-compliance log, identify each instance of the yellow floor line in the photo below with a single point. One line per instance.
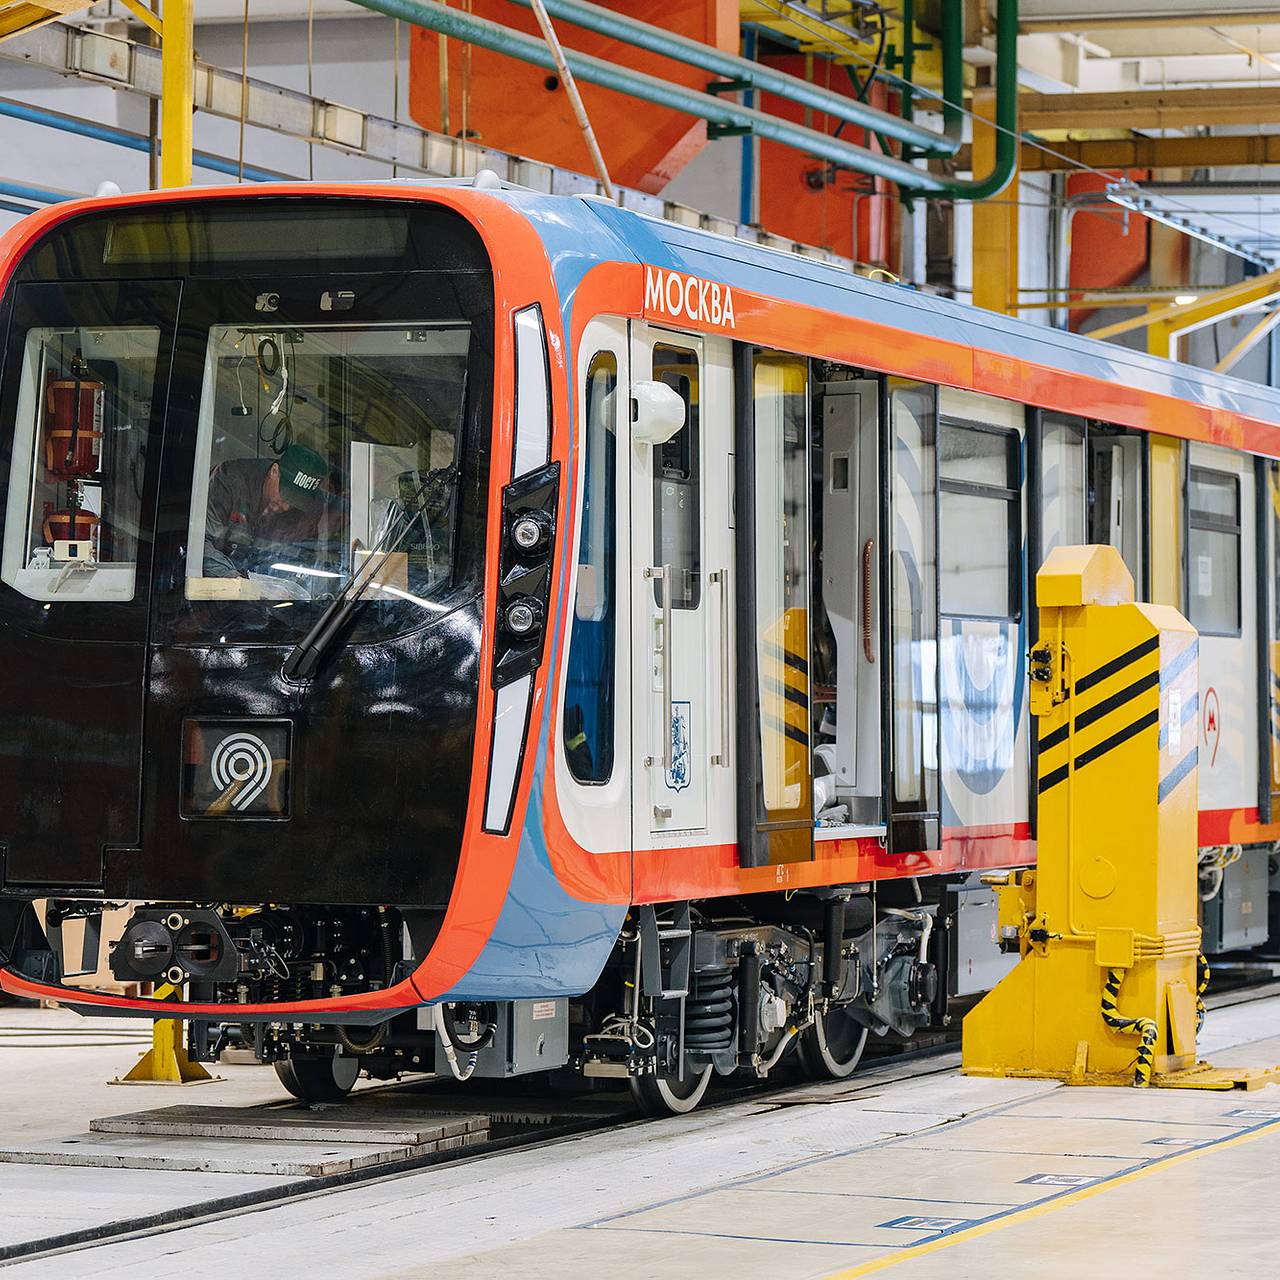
(1045, 1206)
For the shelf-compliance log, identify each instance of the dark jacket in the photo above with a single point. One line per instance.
(240, 535)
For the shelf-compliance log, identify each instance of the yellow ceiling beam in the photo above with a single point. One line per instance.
(1122, 21)
(1149, 108)
(1247, 343)
(828, 37)
(17, 16)
(1144, 153)
(1207, 309)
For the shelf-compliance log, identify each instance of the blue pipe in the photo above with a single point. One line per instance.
(123, 138)
(37, 195)
(747, 195)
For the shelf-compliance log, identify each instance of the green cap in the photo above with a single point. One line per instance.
(303, 474)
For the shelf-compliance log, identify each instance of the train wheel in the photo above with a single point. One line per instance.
(667, 1095)
(311, 1079)
(832, 1047)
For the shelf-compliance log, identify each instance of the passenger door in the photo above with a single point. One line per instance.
(85, 380)
(679, 576)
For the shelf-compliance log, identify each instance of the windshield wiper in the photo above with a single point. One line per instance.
(305, 656)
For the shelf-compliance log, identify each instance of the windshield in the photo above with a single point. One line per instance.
(311, 443)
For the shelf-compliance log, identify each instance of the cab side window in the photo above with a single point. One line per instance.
(588, 724)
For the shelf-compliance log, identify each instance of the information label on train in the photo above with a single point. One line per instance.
(669, 295)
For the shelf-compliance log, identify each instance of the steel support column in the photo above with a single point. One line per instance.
(995, 221)
(177, 92)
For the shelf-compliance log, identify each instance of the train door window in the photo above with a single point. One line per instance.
(84, 400)
(1213, 552)
(1116, 486)
(846, 649)
(1062, 482)
(676, 524)
(589, 681)
(1268, 491)
(780, 509)
(979, 510)
(913, 619)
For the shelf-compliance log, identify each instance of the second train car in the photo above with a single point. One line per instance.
(454, 628)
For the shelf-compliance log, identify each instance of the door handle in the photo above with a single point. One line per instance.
(662, 573)
(721, 578)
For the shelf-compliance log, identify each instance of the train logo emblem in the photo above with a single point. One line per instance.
(242, 760)
(1212, 716)
(678, 775)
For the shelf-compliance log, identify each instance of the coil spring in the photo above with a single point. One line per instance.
(708, 1014)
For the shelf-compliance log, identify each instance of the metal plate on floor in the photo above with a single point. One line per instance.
(347, 1123)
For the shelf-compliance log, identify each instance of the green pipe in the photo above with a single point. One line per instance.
(953, 69)
(705, 106)
(1006, 122)
(694, 53)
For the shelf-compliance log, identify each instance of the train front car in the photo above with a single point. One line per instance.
(256, 498)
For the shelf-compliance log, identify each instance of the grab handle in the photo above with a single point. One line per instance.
(662, 573)
(867, 651)
(721, 578)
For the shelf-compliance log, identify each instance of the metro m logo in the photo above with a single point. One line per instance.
(668, 295)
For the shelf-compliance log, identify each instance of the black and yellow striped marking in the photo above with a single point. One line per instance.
(1144, 1028)
(1115, 704)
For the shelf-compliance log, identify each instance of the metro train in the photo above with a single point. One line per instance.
(446, 627)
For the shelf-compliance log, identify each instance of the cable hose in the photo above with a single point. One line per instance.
(1203, 974)
(1144, 1028)
(450, 1052)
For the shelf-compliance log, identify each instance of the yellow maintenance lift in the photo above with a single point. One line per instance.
(1108, 988)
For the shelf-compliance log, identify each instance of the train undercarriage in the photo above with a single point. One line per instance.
(693, 990)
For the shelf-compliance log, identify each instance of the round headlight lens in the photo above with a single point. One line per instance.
(521, 617)
(527, 533)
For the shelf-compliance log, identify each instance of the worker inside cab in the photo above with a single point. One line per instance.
(264, 513)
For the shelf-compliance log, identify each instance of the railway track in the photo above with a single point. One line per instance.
(883, 1068)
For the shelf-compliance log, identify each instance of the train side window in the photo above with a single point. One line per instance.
(676, 525)
(913, 617)
(1116, 483)
(1213, 552)
(780, 394)
(84, 402)
(1062, 483)
(589, 680)
(979, 509)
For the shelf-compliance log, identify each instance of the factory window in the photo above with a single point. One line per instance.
(676, 483)
(1213, 552)
(589, 680)
(979, 509)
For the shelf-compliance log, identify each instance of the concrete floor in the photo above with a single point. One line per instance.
(935, 1175)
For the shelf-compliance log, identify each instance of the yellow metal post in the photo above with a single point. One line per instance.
(1162, 339)
(995, 221)
(177, 91)
(1106, 924)
(1165, 496)
(166, 1062)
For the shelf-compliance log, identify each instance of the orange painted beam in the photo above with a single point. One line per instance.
(515, 107)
